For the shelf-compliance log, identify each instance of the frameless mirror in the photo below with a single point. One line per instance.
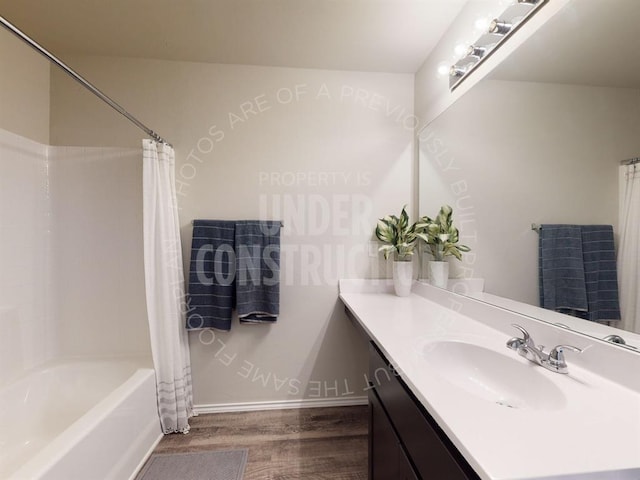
(540, 140)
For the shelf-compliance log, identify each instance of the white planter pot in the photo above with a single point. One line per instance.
(438, 273)
(402, 278)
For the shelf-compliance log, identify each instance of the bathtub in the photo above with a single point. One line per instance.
(84, 420)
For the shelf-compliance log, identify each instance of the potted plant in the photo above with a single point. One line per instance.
(442, 238)
(399, 238)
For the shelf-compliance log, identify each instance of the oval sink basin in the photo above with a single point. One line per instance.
(493, 376)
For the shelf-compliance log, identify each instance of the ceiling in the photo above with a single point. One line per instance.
(365, 35)
(590, 42)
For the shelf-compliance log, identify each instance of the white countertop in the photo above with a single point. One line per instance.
(594, 433)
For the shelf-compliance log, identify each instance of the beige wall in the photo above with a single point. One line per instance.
(326, 152)
(509, 154)
(24, 89)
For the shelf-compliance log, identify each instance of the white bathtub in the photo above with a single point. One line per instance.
(81, 420)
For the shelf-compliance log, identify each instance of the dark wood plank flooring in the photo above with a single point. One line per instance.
(310, 443)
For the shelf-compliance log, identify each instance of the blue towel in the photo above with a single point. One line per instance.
(561, 268)
(601, 274)
(212, 274)
(577, 271)
(258, 271)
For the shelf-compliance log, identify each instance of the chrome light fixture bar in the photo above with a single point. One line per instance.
(499, 30)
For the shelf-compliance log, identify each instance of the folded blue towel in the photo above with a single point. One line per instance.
(577, 271)
(212, 273)
(561, 268)
(258, 271)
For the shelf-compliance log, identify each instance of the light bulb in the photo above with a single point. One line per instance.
(482, 24)
(443, 69)
(460, 49)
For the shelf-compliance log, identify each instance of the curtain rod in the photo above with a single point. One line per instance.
(81, 80)
(630, 161)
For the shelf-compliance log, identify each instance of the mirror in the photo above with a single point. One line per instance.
(540, 140)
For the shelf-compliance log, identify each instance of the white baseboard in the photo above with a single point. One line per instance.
(279, 405)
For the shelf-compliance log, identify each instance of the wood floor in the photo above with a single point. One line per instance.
(310, 443)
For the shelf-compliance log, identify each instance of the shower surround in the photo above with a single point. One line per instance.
(71, 274)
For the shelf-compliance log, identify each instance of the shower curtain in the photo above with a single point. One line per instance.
(629, 251)
(164, 279)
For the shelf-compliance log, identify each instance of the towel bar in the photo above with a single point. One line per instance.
(281, 223)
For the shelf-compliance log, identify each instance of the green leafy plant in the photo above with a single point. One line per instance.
(398, 236)
(440, 235)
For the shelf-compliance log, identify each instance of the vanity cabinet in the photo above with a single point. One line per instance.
(387, 459)
(405, 442)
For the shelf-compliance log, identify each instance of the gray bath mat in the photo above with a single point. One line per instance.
(210, 465)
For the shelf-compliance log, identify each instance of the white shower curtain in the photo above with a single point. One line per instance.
(164, 280)
(629, 251)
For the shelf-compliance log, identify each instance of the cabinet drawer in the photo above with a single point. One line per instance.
(431, 451)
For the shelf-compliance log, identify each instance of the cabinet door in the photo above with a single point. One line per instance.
(432, 453)
(384, 449)
(406, 469)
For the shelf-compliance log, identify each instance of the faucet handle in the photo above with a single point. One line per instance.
(517, 343)
(556, 360)
(615, 339)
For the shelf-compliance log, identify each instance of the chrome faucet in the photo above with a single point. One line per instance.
(526, 347)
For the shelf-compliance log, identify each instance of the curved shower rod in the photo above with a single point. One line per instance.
(81, 80)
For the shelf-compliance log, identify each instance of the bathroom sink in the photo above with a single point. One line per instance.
(492, 376)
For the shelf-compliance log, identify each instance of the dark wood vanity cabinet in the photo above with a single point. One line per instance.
(405, 442)
(387, 459)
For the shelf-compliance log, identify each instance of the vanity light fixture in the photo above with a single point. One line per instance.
(501, 28)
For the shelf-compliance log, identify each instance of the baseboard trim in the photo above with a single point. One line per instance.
(279, 405)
